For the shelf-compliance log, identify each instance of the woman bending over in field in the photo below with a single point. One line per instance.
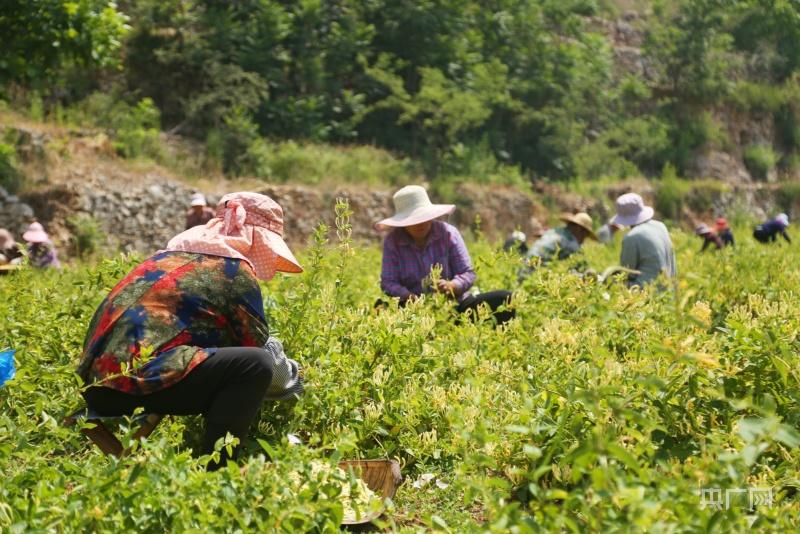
(185, 332)
(417, 243)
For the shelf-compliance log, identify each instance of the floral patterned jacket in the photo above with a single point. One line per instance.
(167, 316)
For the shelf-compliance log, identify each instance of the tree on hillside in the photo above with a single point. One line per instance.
(42, 40)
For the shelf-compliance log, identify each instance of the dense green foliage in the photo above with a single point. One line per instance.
(598, 409)
(49, 44)
(458, 85)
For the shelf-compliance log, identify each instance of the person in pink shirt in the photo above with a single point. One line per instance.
(41, 251)
(418, 243)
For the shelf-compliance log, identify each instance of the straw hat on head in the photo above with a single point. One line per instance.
(584, 220)
(412, 206)
(248, 226)
(631, 210)
(36, 234)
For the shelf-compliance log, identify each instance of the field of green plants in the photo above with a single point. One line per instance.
(597, 409)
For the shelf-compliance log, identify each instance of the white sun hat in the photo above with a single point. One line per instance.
(702, 229)
(631, 210)
(198, 199)
(412, 206)
(783, 219)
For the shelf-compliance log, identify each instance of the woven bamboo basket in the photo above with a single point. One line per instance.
(381, 476)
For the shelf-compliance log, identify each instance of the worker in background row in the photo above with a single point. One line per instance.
(516, 242)
(41, 251)
(561, 243)
(768, 232)
(710, 238)
(199, 213)
(606, 233)
(724, 231)
(418, 244)
(647, 247)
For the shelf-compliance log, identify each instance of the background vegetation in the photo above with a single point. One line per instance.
(458, 87)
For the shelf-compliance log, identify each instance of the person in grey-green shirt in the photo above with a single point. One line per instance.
(647, 247)
(563, 242)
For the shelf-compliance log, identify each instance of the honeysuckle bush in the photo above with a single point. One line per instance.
(598, 408)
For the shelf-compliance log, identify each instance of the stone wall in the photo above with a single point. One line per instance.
(142, 213)
(15, 215)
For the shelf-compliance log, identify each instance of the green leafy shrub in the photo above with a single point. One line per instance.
(598, 409)
(87, 237)
(634, 146)
(789, 196)
(137, 130)
(754, 96)
(703, 193)
(760, 160)
(10, 176)
(234, 144)
(309, 163)
(787, 126)
(674, 195)
(134, 129)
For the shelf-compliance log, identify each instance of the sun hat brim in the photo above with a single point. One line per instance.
(198, 203)
(632, 220)
(286, 263)
(419, 215)
(571, 219)
(36, 236)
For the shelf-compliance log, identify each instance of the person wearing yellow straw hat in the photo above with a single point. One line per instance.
(418, 242)
(185, 332)
(561, 243)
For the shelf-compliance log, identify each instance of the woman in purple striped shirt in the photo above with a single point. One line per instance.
(418, 243)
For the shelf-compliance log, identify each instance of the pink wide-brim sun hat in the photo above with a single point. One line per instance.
(412, 206)
(36, 234)
(631, 210)
(248, 226)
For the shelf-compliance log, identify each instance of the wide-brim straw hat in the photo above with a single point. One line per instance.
(36, 234)
(631, 210)
(584, 220)
(412, 206)
(247, 226)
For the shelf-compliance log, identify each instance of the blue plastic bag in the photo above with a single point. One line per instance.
(7, 368)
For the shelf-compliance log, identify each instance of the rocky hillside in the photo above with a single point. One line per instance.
(139, 207)
(733, 129)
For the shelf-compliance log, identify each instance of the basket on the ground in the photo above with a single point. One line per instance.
(381, 476)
